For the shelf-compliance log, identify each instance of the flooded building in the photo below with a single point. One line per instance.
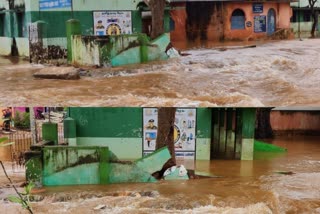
(301, 21)
(214, 21)
(38, 28)
(200, 133)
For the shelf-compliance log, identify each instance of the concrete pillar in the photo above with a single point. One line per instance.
(238, 134)
(222, 139)
(42, 27)
(50, 132)
(230, 141)
(248, 127)
(73, 28)
(70, 133)
(216, 134)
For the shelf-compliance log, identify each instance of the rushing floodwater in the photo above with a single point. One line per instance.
(272, 74)
(244, 187)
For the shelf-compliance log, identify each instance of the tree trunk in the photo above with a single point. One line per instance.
(166, 118)
(314, 23)
(263, 126)
(157, 10)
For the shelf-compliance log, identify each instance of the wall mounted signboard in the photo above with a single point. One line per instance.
(260, 24)
(184, 133)
(257, 8)
(54, 4)
(112, 22)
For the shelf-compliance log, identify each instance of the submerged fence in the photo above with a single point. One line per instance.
(22, 140)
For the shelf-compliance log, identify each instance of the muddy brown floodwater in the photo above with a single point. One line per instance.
(244, 187)
(284, 73)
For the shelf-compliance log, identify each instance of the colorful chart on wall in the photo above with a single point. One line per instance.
(112, 22)
(184, 131)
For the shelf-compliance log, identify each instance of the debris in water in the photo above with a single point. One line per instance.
(285, 172)
(176, 173)
(65, 73)
(100, 207)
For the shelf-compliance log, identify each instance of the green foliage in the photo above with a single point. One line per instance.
(25, 201)
(22, 120)
(3, 139)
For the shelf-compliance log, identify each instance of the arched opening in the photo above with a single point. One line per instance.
(238, 19)
(271, 21)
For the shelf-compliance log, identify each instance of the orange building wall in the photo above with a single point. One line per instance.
(285, 13)
(303, 121)
(220, 24)
(247, 33)
(179, 16)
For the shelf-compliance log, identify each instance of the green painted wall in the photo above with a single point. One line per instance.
(123, 148)
(120, 128)
(204, 127)
(57, 21)
(108, 122)
(64, 165)
(204, 118)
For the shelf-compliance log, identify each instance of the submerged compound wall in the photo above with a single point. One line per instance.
(118, 50)
(286, 122)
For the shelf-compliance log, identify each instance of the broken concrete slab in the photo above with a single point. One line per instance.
(65, 73)
(155, 161)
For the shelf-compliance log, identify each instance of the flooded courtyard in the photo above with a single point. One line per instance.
(284, 73)
(272, 183)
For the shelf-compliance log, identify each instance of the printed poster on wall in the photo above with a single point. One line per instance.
(54, 4)
(260, 24)
(112, 22)
(184, 132)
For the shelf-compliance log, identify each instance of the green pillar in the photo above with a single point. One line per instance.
(248, 127)
(50, 132)
(73, 28)
(70, 133)
(104, 166)
(11, 24)
(143, 48)
(166, 21)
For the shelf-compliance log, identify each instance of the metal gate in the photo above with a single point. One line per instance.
(271, 20)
